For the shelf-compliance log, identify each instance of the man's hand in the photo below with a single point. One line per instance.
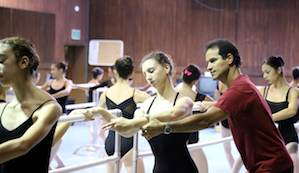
(204, 105)
(153, 128)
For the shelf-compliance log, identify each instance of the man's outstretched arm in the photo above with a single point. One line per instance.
(191, 123)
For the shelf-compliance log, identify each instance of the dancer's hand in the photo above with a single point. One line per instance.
(118, 124)
(87, 113)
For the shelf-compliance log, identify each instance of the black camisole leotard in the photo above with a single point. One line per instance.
(224, 123)
(37, 159)
(193, 137)
(128, 108)
(60, 100)
(286, 127)
(171, 152)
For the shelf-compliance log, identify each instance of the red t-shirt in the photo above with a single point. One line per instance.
(257, 139)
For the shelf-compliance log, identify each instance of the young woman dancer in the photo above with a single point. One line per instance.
(28, 122)
(295, 83)
(191, 74)
(125, 98)
(60, 88)
(170, 149)
(282, 99)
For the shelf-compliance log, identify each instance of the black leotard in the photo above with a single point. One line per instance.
(171, 152)
(224, 123)
(1, 164)
(193, 137)
(296, 117)
(60, 100)
(286, 127)
(127, 107)
(37, 159)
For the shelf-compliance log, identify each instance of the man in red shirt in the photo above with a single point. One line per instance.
(257, 139)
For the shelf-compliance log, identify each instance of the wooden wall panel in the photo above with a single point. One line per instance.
(76, 70)
(38, 27)
(50, 46)
(66, 19)
(267, 28)
(5, 21)
(181, 28)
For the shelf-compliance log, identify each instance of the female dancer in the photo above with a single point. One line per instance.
(170, 149)
(60, 88)
(28, 122)
(191, 75)
(123, 97)
(282, 99)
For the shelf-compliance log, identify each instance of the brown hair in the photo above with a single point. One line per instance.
(22, 47)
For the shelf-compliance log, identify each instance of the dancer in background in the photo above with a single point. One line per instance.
(295, 83)
(282, 99)
(191, 74)
(295, 79)
(60, 88)
(125, 98)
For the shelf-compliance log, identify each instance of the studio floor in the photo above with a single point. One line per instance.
(78, 135)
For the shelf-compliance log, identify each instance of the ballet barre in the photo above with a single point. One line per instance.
(80, 105)
(114, 158)
(85, 85)
(81, 117)
(88, 164)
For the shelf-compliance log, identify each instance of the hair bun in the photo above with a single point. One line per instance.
(128, 59)
(280, 60)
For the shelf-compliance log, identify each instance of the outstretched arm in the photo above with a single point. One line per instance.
(46, 85)
(189, 124)
(128, 128)
(17, 147)
(181, 109)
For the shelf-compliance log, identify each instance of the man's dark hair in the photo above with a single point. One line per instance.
(225, 47)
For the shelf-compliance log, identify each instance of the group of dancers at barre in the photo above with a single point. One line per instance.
(29, 129)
